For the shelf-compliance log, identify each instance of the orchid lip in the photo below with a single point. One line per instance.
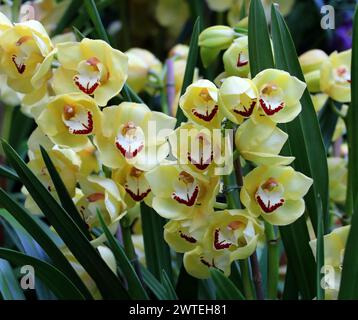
(246, 112)
(269, 208)
(219, 245)
(87, 128)
(202, 165)
(137, 196)
(208, 116)
(190, 200)
(19, 67)
(241, 63)
(187, 237)
(129, 154)
(269, 110)
(206, 263)
(88, 89)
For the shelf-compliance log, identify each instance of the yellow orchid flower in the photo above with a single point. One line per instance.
(134, 134)
(338, 175)
(179, 51)
(134, 182)
(334, 246)
(199, 261)
(201, 151)
(91, 67)
(101, 194)
(238, 98)
(5, 23)
(336, 76)
(178, 195)
(89, 160)
(69, 119)
(275, 193)
(200, 104)
(26, 55)
(279, 95)
(236, 58)
(66, 162)
(261, 143)
(219, 6)
(141, 63)
(319, 100)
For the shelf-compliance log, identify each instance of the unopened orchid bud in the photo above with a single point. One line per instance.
(312, 60)
(236, 58)
(313, 81)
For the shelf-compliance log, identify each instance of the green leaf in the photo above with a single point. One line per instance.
(154, 285)
(96, 19)
(9, 286)
(320, 256)
(225, 289)
(349, 282)
(187, 286)
(71, 234)
(58, 282)
(305, 138)
(190, 66)
(157, 252)
(64, 196)
(32, 227)
(130, 95)
(352, 129)
(260, 52)
(135, 288)
(8, 173)
(171, 294)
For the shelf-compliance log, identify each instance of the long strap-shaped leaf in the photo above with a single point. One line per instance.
(9, 286)
(190, 66)
(225, 289)
(63, 194)
(58, 282)
(7, 173)
(32, 227)
(349, 282)
(107, 282)
(135, 288)
(305, 138)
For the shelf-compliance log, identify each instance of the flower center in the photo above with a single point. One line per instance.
(271, 99)
(245, 106)
(242, 60)
(186, 189)
(77, 120)
(269, 196)
(343, 75)
(136, 185)
(206, 107)
(201, 154)
(130, 140)
(90, 74)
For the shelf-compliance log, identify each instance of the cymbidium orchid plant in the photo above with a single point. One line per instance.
(134, 173)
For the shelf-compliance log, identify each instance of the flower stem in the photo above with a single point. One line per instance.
(257, 277)
(246, 279)
(273, 261)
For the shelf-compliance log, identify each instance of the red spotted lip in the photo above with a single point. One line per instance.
(187, 237)
(88, 128)
(190, 201)
(219, 245)
(202, 165)
(268, 110)
(88, 90)
(247, 112)
(241, 63)
(20, 68)
(126, 153)
(137, 196)
(269, 208)
(208, 116)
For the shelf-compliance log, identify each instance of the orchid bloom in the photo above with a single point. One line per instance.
(275, 193)
(261, 143)
(200, 104)
(26, 55)
(141, 63)
(69, 119)
(91, 67)
(336, 76)
(199, 150)
(279, 95)
(236, 58)
(334, 247)
(134, 134)
(134, 182)
(103, 195)
(179, 195)
(238, 98)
